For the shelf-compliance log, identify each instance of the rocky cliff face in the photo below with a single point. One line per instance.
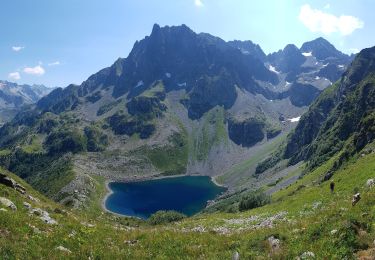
(342, 115)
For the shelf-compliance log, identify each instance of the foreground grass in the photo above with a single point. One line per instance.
(316, 220)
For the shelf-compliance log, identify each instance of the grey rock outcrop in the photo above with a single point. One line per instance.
(7, 181)
(7, 203)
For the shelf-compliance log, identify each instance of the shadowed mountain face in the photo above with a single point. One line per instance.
(208, 69)
(342, 116)
(180, 103)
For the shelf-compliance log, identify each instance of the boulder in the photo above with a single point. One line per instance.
(32, 198)
(27, 205)
(131, 242)
(7, 181)
(307, 255)
(356, 198)
(60, 211)
(63, 249)
(47, 219)
(274, 243)
(236, 256)
(370, 183)
(333, 232)
(44, 216)
(7, 203)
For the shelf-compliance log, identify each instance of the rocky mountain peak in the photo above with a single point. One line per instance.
(322, 49)
(249, 48)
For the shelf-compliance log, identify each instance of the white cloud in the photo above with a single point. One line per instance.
(37, 70)
(17, 48)
(54, 63)
(14, 76)
(198, 3)
(319, 21)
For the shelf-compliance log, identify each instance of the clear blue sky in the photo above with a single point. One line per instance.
(58, 42)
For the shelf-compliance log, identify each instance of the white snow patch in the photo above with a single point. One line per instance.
(168, 75)
(294, 119)
(317, 78)
(182, 84)
(307, 54)
(140, 83)
(325, 65)
(243, 51)
(341, 66)
(316, 63)
(273, 69)
(287, 83)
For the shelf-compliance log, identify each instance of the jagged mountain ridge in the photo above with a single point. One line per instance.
(181, 58)
(180, 103)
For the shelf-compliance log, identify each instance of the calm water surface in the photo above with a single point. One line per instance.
(187, 194)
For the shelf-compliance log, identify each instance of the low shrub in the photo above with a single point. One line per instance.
(254, 200)
(162, 217)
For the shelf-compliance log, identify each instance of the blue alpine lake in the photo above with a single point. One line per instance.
(187, 194)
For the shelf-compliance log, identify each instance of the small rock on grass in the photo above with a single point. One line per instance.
(7, 203)
(63, 249)
(370, 183)
(274, 243)
(27, 205)
(32, 198)
(236, 256)
(307, 255)
(131, 242)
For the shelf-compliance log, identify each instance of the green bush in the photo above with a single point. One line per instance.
(96, 140)
(64, 141)
(162, 217)
(254, 200)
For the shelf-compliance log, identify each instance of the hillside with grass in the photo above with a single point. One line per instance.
(305, 219)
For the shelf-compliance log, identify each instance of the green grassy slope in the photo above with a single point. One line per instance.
(314, 220)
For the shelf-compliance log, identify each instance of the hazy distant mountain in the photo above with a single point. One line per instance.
(14, 96)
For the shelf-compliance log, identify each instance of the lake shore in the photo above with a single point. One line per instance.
(149, 178)
(109, 193)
